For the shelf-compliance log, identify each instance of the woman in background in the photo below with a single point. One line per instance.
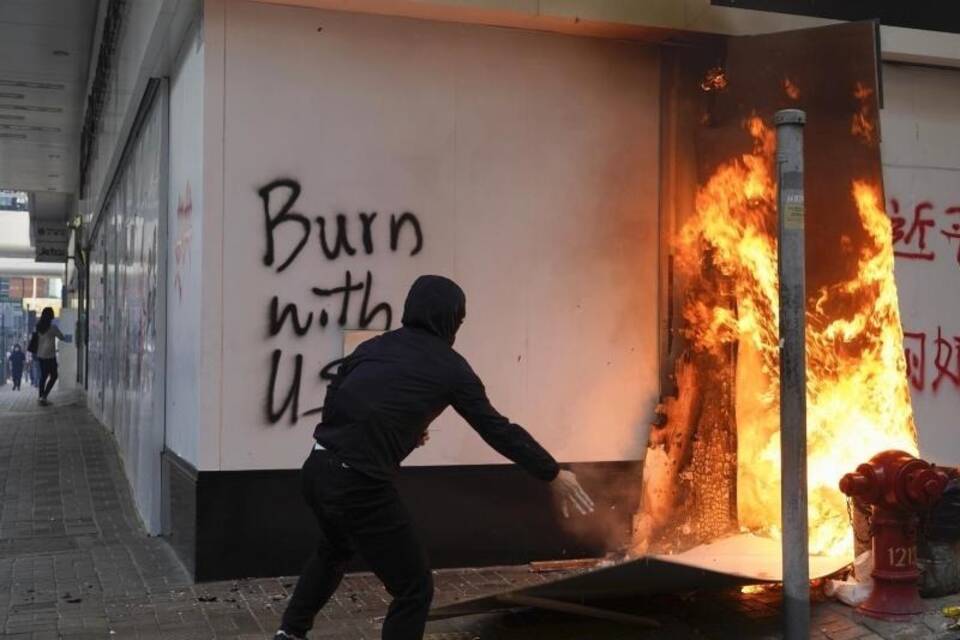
(47, 334)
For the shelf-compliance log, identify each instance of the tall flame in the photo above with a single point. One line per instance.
(858, 402)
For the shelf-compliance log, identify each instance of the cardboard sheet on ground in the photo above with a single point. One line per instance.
(738, 560)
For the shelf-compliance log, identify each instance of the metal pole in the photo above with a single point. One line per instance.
(793, 377)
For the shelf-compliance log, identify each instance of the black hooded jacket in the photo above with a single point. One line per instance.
(389, 390)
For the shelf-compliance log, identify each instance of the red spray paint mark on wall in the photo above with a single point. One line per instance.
(954, 233)
(184, 235)
(911, 225)
(942, 352)
(911, 243)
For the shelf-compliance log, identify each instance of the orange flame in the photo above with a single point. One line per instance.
(751, 589)
(862, 125)
(714, 80)
(792, 90)
(858, 401)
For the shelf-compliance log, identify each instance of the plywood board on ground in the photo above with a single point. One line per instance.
(738, 560)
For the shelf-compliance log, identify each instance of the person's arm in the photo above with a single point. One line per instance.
(514, 442)
(510, 440)
(59, 334)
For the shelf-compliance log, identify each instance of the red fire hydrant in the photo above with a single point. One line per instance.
(898, 487)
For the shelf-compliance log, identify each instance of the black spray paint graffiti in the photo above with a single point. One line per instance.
(337, 236)
(341, 243)
(366, 317)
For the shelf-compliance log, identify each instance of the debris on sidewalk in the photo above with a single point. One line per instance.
(855, 590)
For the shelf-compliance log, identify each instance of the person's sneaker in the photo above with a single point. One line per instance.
(44, 402)
(283, 635)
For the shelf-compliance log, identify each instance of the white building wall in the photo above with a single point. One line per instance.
(183, 246)
(530, 161)
(921, 158)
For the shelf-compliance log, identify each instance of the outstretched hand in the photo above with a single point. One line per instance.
(567, 488)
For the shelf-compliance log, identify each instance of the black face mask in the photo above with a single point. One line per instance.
(437, 305)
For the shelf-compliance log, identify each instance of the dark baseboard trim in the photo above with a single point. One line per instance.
(179, 507)
(255, 523)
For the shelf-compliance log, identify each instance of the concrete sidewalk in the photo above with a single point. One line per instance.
(75, 563)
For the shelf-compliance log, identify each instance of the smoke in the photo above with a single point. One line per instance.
(615, 489)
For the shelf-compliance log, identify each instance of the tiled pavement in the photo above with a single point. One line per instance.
(75, 564)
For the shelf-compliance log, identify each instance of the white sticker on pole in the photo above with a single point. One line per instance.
(791, 182)
(793, 210)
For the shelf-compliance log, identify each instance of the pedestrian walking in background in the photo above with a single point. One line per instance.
(33, 370)
(45, 340)
(17, 359)
(377, 410)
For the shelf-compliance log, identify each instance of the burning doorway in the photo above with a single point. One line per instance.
(712, 465)
(709, 512)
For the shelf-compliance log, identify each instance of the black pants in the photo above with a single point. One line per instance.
(17, 376)
(48, 375)
(358, 514)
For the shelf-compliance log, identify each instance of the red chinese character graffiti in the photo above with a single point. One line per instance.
(955, 234)
(916, 355)
(917, 231)
(947, 360)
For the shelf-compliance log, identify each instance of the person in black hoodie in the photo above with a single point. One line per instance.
(377, 410)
